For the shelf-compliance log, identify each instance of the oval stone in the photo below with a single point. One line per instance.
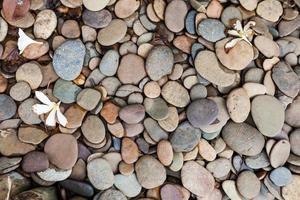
(45, 23)
(109, 63)
(159, 62)
(132, 114)
(243, 138)
(113, 33)
(180, 98)
(7, 107)
(175, 14)
(206, 26)
(93, 129)
(96, 19)
(281, 176)
(68, 59)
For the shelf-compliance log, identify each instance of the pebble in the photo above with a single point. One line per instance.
(131, 69)
(7, 106)
(10, 145)
(279, 153)
(219, 167)
(270, 10)
(68, 59)
(20, 91)
(229, 14)
(238, 58)
(206, 26)
(291, 191)
(267, 46)
(243, 138)
(88, 98)
(175, 14)
(150, 172)
(3, 80)
(238, 105)
(185, 138)
(180, 98)
(25, 71)
(152, 89)
(230, 189)
(295, 140)
(45, 24)
(156, 108)
(93, 129)
(286, 79)
(254, 89)
(154, 130)
(31, 135)
(100, 173)
(202, 112)
(66, 91)
(129, 151)
(112, 194)
(259, 161)
(125, 8)
(286, 27)
(4, 29)
(94, 5)
(208, 66)
(96, 19)
(77, 187)
(292, 113)
(206, 151)
(109, 63)
(171, 191)
(197, 179)
(129, 185)
(249, 4)
(62, 150)
(132, 114)
(35, 161)
(113, 33)
(165, 152)
(248, 184)
(26, 113)
(281, 176)
(190, 22)
(54, 174)
(159, 62)
(171, 122)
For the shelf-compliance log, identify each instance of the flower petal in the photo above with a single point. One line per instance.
(232, 43)
(43, 98)
(249, 25)
(238, 25)
(24, 41)
(61, 118)
(233, 32)
(41, 109)
(51, 121)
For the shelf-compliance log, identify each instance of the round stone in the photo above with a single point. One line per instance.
(238, 105)
(66, 91)
(230, 14)
(268, 114)
(95, 5)
(238, 58)
(129, 151)
(291, 191)
(62, 150)
(131, 69)
(171, 191)
(45, 23)
(113, 33)
(70, 29)
(132, 114)
(248, 184)
(88, 98)
(93, 129)
(292, 114)
(4, 29)
(180, 98)
(243, 138)
(7, 106)
(125, 8)
(280, 153)
(171, 122)
(155, 132)
(25, 73)
(54, 174)
(26, 113)
(109, 63)
(219, 167)
(35, 161)
(270, 10)
(159, 62)
(100, 173)
(129, 185)
(202, 112)
(206, 26)
(156, 108)
(295, 141)
(197, 179)
(112, 194)
(185, 138)
(150, 172)
(68, 59)
(281, 176)
(208, 66)
(165, 152)
(96, 19)
(152, 89)
(175, 14)
(267, 46)
(249, 4)
(20, 91)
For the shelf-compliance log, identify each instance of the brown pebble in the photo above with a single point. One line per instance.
(129, 151)
(165, 152)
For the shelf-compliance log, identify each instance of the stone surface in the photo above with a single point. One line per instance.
(281, 176)
(25, 71)
(45, 23)
(88, 98)
(68, 59)
(129, 151)
(156, 108)
(266, 46)
(129, 185)
(132, 114)
(31, 135)
(279, 153)
(96, 19)
(35, 161)
(180, 98)
(7, 107)
(248, 184)
(291, 191)
(66, 91)
(109, 63)
(93, 129)
(175, 14)
(113, 33)
(270, 10)
(206, 26)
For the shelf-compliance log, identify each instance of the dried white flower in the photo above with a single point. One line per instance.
(24, 41)
(241, 33)
(49, 106)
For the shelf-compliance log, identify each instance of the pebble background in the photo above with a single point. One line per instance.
(158, 106)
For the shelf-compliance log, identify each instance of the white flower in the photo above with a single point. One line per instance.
(24, 41)
(245, 33)
(48, 106)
